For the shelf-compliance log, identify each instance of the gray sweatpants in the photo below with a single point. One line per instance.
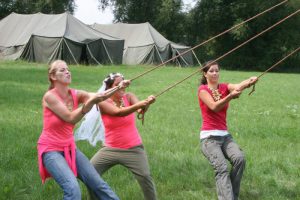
(134, 159)
(217, 149)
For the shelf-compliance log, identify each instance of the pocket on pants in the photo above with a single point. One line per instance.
(208, 147)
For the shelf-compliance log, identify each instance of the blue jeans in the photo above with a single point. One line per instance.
(56, 165)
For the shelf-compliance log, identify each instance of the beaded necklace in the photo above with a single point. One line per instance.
(69, 105)
(215, 94)
(119, 104)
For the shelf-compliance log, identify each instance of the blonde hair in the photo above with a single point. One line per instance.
(52, 70)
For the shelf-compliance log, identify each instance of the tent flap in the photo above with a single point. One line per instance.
(145, 45)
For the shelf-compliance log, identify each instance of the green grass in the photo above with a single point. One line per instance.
(266, 125)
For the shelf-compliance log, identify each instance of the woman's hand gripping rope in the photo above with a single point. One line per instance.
(143, 110)
(252, 81)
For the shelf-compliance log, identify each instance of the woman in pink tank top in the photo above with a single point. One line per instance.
(123, 144)
(57, 153)
(217, 144)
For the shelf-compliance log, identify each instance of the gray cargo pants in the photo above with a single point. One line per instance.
(217, 149)
(134, 159)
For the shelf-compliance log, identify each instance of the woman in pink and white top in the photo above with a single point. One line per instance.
(217, 144)
(57, 153)
(122, 143)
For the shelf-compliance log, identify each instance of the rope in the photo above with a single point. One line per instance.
(232, 50)
(212, 38)
(280, 61)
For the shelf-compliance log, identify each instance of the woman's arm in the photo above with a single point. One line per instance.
(133, 99)
(84, 96)
(216, 106)
(109, 109)
(88, 99)
(243, 85)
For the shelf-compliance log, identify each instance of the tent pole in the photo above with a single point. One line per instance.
(196, 58)
(182, 58)
(87, 46)
(70, 51)
(52, 57)
(107, 52)
(143, 61)
(158, 54)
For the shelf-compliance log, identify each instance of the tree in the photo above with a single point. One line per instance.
(211, 17)
(170, 20)
(33, 6)
(165, 15)
(132, 11)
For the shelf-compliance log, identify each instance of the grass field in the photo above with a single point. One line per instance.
(266, 125)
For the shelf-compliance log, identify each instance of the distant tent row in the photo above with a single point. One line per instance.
(44, 38)
(145, 45)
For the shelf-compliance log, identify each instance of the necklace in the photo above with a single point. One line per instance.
(215, 94)
(119, 103)
(67, 100)
(69, 105)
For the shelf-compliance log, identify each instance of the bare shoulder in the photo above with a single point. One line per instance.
(130, 94)
(203, 92)
(132, 98)
(49, 98)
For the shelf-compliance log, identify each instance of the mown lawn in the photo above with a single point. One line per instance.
(266, 125)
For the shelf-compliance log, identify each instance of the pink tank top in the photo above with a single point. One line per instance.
(57, 135)
(121, 132)
(214, 120)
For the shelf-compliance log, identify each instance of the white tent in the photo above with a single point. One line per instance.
(145, 45)
(43, 38)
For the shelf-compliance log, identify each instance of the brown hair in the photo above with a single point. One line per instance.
(52, 70)
(207, 65)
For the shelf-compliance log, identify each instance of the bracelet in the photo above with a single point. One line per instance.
(82, 112)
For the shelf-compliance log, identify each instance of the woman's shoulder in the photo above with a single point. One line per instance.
(223, 86)
(50, 97)
(49, 94)
(203, 87)
(129, 95)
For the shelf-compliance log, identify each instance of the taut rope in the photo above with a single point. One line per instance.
(232, 50)
(280, 61)
(212, 38)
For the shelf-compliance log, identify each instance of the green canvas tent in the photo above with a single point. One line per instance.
(145, 45)
(44, 38)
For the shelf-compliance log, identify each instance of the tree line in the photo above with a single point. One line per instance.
(206, 19)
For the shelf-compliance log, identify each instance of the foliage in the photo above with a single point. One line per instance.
(211, 17)
(133, 11)
(165, 15)
(265, 125)
(34, 6)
